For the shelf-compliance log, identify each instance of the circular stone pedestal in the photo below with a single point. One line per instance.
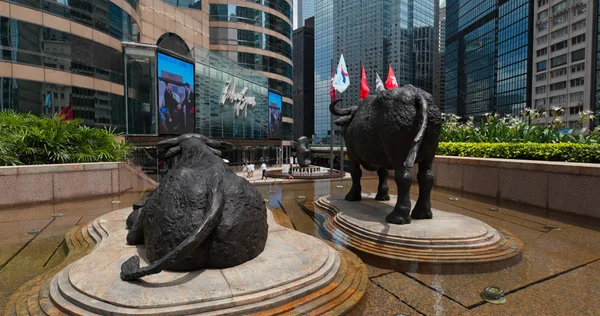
(448, 238)
(296, 274)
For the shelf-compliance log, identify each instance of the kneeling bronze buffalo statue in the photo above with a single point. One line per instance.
(393, 130)
(202, 215)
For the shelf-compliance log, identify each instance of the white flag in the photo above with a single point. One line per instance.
(379, 84)
(341, 80)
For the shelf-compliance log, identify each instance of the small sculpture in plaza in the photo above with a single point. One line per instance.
(393, 130)
(303, 152)
(202, 215)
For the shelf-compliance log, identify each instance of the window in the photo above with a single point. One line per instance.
(558, 61)
(558, 86)
(558, 72)
(578, 25)
(542, 15)
(578, 96)
(541, 89)
(542, 40)
(578, 55)
(559, 46)
(542, 52)
(542, 26)
(561, 18)
(540, 77)
(577, 82)
(559, 33)
(540, 103)
(578, 68)
(579, 10)
(558, 99)
(558, 7)
(578, 39)
(542, 2)
(575, 109)
(542, 65)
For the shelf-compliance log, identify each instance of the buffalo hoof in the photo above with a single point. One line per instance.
(422, 214)
(382, 197)
(395, 218)
(351, 196)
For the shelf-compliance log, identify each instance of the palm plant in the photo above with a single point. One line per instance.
(26, 139)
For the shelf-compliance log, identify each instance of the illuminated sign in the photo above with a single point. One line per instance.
(240, 100)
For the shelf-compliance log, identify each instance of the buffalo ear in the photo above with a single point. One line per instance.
(221, 146)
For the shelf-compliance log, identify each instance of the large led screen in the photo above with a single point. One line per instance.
(274, 116)
(176, 98)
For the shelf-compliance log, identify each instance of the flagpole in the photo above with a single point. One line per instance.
(331, 134)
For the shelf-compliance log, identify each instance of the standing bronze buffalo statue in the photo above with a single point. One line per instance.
(202, 215)
(393, 130)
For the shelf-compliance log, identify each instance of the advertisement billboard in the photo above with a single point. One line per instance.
(176, 98)
(275, 124)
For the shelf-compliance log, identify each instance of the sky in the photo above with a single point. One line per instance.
(176, 66)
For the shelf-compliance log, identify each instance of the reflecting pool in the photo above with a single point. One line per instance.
(559, 272)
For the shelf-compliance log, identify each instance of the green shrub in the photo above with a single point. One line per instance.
(571, 152)
(511, 129)
(27, 139)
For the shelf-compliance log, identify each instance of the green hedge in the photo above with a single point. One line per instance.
(572, 152)
(27, 139)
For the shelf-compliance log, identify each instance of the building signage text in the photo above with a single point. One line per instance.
(240, 100)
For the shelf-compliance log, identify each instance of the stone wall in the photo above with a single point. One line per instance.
(46, 183)
(562, 186)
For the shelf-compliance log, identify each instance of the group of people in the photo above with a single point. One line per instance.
(248, 170)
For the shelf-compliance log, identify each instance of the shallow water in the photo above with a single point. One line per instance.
(559, 272)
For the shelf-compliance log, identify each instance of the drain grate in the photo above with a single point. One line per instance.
(551, 227)
(494, 295)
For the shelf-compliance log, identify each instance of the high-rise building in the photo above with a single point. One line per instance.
(227, 69)
(323, 65)
(439, 84)
(563, 45)
(305, 10)
(377, 33)
(304, 79)
(487, 56)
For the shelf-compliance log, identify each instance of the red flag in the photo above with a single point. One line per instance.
(331, 89)
(67, 112)
(391, 82)
(364, 87)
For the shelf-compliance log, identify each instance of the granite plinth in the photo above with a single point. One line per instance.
(288, 276)
(448, 238)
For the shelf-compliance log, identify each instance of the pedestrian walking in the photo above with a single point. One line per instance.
(263, 168)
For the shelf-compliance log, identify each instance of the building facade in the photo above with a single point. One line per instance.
(401, 33)
(563, 46)
(258, 35)
(323, 67)
(101, 57)
(439, 83)
(487, 56)
(305, 10)
(304, 80)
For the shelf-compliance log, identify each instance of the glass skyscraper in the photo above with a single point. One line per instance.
(487, 56)
(323, 60)
(378, 33)
(305, 10)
